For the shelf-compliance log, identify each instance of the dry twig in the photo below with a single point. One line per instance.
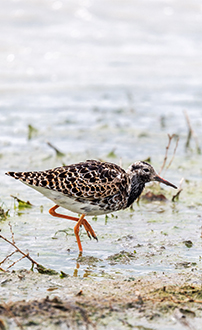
(41, 269)
(173, 152)
(11, 230)
(170, 137)
(15, 262)
(2, 270)
(190, 134)
(176, 196)
(25, 255)
(8, 256)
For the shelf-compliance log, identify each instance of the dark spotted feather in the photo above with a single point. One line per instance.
(87, 180)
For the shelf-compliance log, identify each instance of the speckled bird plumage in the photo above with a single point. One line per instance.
(91, 187)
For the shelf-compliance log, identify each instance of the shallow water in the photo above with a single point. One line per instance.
(108, 81)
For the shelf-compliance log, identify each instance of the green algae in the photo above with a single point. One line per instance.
(88, 260)
(43, 270)
(21, 204)
(32, 132)
(4, 214)
(123, 257)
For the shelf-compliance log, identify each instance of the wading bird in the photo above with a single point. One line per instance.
(90, 188)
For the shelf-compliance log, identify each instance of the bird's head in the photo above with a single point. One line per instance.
(144, 173)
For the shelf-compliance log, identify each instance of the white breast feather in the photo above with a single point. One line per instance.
(69, 203)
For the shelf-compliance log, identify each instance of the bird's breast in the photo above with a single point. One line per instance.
(135, 191)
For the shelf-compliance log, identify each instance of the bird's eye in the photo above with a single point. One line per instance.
(146, 170)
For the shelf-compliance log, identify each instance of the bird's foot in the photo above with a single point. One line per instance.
(89, 229)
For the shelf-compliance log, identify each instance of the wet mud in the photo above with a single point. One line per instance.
(123, 303)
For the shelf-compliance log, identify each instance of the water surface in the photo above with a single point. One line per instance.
(105, 80)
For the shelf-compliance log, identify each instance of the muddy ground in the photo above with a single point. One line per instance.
(173, 301)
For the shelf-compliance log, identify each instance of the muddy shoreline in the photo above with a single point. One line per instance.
(84, 303)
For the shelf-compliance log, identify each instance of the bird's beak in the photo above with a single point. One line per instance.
(159, 179)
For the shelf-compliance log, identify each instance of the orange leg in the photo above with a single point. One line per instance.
(83, 222)
(76, 231)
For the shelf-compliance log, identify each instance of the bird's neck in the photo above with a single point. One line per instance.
(135, 190)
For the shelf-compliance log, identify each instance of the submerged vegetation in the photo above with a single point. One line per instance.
(4, 214)
(21, 204)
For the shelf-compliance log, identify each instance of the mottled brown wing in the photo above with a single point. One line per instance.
(88, 180)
